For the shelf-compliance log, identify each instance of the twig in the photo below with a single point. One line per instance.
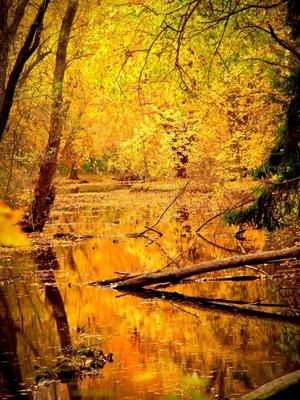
(121, 295)
(172, 202)
(223, 212)
(297, 178)
(176, 257)
(162, 250)
(122, 273)
(150, 228)
(227, 210)
(187, 312)
(218, 245)
(259, 270)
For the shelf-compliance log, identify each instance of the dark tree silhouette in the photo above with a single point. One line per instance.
(30, 44)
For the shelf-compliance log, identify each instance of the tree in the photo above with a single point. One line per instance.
(28, 47)
(279, 198)
(219, 23)
(44, 193)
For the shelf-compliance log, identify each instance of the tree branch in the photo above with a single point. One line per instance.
(19, 13)
(29, 46)
(283, 43)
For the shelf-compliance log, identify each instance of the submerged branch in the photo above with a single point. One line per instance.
(151, 227)
(240, 203)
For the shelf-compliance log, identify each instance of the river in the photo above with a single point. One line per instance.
(162, 349)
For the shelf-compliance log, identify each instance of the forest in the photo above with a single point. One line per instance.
(149, 199)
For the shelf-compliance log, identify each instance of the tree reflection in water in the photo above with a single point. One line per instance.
(18, 348)
(10, 370)
(47, 262)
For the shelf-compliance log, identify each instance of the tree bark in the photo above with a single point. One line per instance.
(7, 35)
(286, 387)
(4, 47)
(29, 46)
(44, 193)
(125, 283)
(74, 172)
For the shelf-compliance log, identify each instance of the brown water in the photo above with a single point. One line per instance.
(163, 349)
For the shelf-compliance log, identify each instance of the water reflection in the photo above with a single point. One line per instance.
(236, 307)
(47, 262)
(21, 343)
(162, 349)
(10, 370)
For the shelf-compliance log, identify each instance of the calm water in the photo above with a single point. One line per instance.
(162, 349)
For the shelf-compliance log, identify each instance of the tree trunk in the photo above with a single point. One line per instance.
(4, 48)
(129, 283)
(7, 34)
(44, 193)
(29, 46)
(74, 172)
(285, 387)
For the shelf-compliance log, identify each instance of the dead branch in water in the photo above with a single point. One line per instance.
(218, 246)
(151, 227)
(286, 386)
(198, 234)
(240, 203)
(159, 276)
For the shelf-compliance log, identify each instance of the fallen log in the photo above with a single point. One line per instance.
(285, 387)
(204, 267)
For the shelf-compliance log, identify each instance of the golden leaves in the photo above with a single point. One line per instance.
(10, 232)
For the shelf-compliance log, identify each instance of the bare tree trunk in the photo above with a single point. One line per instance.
(44, 193)
(138, 281)
(31, 42)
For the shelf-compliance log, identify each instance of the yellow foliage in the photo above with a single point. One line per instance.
(10, 232)
(256, 237)
(145, 376)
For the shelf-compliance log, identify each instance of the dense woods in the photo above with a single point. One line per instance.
(150, 144)
(166, 89)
